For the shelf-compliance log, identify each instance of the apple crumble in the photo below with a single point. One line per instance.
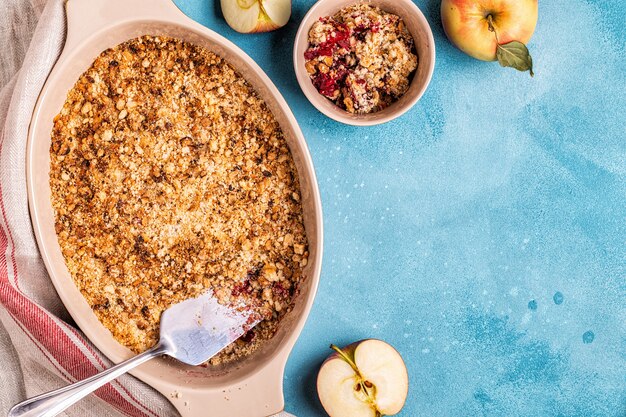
(170, 176)
(361, 58)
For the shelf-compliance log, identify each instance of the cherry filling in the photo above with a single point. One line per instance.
(341, 38)
(330, 76)
(363, 28)
(325, 84)
(328, 83)
(241, 288)
(248, 336)
(280, 291)
(322, 50)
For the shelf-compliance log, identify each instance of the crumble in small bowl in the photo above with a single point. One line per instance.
(415, 24)
(361, 58)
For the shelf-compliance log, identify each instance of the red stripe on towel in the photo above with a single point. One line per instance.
(49, 335)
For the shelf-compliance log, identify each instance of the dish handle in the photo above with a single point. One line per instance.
(260, 394)
(84, 17)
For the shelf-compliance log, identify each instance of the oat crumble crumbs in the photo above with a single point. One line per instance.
(169, 175)
(361, 58)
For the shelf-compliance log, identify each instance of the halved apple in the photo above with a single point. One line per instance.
(364, 379)
(250, 16)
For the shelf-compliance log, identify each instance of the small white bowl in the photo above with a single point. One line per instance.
(419, 28)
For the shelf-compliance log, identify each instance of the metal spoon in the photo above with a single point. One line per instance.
(192, 331)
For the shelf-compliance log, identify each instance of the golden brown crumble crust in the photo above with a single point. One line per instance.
(169, 175)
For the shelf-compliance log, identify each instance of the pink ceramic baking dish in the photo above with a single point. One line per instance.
(252, 387)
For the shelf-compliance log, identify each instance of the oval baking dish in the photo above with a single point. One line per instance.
(252, 387)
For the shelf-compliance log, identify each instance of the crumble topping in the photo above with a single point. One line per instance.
(169, 176)
(361, 58)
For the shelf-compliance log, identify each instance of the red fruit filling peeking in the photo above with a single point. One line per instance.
(361, 58)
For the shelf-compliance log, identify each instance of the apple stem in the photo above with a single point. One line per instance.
(347, 359)
(492, 28)
(262, 9)
(367, 386)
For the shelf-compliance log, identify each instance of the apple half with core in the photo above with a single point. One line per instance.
(364, 379)
(492, 29)
(250, 16)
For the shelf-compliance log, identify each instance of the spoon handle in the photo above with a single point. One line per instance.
(52, 403)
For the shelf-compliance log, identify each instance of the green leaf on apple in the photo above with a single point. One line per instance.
(515, 55)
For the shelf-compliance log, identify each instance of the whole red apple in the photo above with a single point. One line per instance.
(477, 27)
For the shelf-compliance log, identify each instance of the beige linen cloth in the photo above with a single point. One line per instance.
(40, 349)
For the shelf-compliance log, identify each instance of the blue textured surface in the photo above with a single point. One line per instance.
(483, 233)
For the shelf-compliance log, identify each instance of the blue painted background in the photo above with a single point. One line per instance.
(483, 234)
